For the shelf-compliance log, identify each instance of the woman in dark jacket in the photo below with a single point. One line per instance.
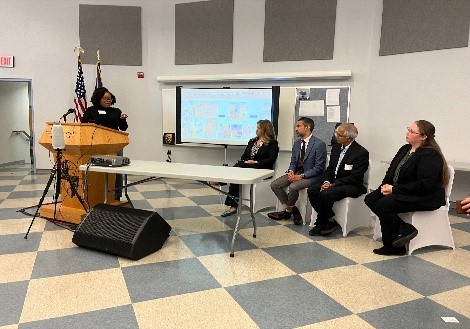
(414, 181)
(260, 153)
(102, 114)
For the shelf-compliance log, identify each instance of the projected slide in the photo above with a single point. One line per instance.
(223, 116)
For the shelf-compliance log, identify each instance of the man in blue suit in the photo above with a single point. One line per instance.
(343, 178)
(306, 168)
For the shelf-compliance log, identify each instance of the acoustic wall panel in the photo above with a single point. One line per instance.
(116, 31)
(410, 26)
(299, 30)
(204, 32)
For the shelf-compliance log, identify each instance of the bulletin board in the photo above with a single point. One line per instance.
(326, 106)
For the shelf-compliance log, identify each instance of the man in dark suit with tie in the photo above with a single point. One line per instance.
(306, 168)
(343, 178)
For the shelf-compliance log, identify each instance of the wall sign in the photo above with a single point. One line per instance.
(6, 61)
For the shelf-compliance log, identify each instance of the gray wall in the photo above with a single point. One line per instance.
(387, 92)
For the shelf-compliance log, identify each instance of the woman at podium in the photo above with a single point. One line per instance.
(101, 113)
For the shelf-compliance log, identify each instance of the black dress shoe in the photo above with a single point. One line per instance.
(329, 228)
(390, 251)
(297, 216)
(407, 233)
(279, 215)
(316, 230)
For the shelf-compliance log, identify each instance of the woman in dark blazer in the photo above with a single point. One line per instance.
(260, 153)
(415, 181)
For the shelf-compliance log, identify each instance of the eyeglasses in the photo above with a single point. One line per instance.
(411, 131)
(106, 99)
(338, 135)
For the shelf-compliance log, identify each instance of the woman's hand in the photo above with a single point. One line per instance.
(251, 161)
(124, 116)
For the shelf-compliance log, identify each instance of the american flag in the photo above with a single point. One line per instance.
(98, 82)
(80, 94)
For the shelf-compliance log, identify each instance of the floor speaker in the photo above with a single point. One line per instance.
(126, 232)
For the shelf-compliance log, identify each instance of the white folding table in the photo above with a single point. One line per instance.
(231, 175)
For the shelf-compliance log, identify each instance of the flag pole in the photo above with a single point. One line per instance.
(98, 79)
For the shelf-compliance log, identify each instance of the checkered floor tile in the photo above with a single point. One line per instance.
(283, 278)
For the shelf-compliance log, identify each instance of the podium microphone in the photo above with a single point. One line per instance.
(70, 111)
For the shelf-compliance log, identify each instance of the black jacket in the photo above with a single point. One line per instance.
(352, 167)
(107, 117)
(266, 156)
(420, 177)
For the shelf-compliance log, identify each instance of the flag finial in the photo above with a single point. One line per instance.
(79, 50)
(98, 54)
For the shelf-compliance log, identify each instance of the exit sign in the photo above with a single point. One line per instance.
(6, 61)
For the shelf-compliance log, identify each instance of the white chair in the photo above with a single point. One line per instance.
(263, 196)
(351, 213)
(433, 226)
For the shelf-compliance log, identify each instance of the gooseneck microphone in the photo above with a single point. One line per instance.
(70, 111)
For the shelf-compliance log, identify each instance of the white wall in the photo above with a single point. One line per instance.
(14, 111)
(387, 93)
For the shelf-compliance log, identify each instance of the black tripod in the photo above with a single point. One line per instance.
(60, 169)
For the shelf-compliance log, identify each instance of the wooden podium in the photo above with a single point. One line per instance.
(82, 141)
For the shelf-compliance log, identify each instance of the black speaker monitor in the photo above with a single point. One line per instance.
(129, 233)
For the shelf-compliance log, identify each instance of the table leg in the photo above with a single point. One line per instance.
(251, 211)
(125, 191)
(105, 187)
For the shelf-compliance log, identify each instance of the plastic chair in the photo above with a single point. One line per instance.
(351, 213)
(263, 196)
(433, 226)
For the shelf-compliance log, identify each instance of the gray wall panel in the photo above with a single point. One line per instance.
(299, 30)
(410, 26)
(204, 32)
(115, 30)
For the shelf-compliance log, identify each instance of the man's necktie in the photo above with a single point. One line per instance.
(302, 155)
(341, 156)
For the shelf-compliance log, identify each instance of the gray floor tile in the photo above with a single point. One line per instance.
(161, 194)
(30, 194)
(419, 275)
(418, 314)
(113, 318)
(215, 243)
(7, 188)
(13, 213)
(207, 199)
(11, 301)
(73, 260)
(276, 303)
(308, 257)
(16, 243)
(183, 212)
(146, 282)
(245, 220)
(462, 226)
(141, 204)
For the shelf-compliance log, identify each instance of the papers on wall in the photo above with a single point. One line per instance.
(332, 97)
(333, 113)
(312, 108)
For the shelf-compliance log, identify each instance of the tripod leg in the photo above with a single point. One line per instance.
(74, 189)
(48, 185)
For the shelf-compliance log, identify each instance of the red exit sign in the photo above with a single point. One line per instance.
(7, 61)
